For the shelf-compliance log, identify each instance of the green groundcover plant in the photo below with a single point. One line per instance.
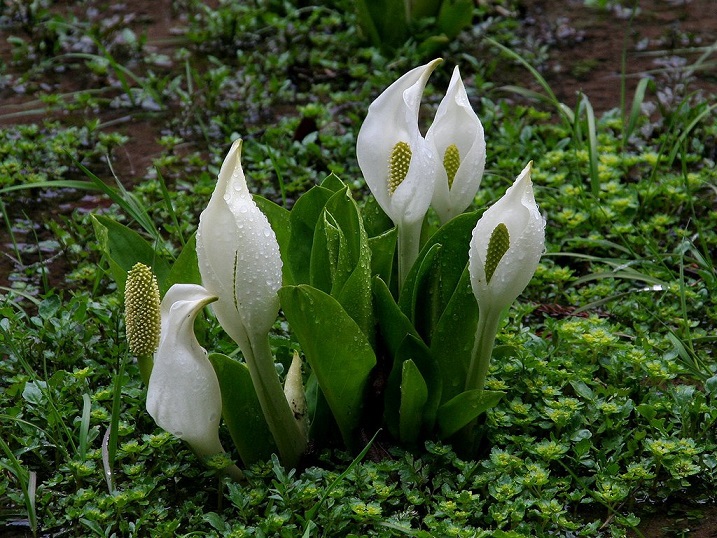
(604, 367)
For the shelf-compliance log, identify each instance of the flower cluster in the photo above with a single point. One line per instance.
(406, 172)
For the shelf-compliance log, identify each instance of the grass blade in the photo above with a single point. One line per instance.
(635, 110)
(170, 207)
(562, 109)
(28, 483)
(592, 146)
(85, 424)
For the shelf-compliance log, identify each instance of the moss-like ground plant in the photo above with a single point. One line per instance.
(610, 405)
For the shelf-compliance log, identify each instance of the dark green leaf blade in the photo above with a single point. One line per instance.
(241, 410)
(336, 349)
(464, 408)
(124, 247)
(414, 394)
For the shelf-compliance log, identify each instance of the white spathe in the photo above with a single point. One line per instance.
(457, 124)
(519, 213)
(183, 396)
(393, 118)
(240, 262)
(238, 255)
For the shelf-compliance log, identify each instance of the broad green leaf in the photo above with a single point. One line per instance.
(375, 219)
(341, 252)
(333, 183)
(454, 16)
(414, 350)
(464, 408)
(383, 22)
(337, 350)
(433, 279)
(323, 429)
(454, 336)
(303, 219)
(418, 282)
(280, 221)
(241, 410)
(383, 252)
(392, 322)
(414, 394)
(431, 46)
(124, 247)
(185, 268)
(330, 263)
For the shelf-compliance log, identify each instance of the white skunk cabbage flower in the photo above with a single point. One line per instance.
(397, 163)
(504, 252)
(458, 138)
(239, 256)
(183, 396)
(507, 244)
(240, 263)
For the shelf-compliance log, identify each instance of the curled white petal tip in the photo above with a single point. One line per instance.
(183, 396)
(506, 246)
(459, 141)
(392, 119)
(238, 255)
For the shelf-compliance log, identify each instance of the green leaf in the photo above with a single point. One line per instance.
(337, 350)
(424, 8)
(185, 268)
(303, 219)
(124, 247)
(454, 16)
(383, 22)
(323, 428)
(417, 290)
(414, 394)
(333, 183)
(241, 410)
(464, 408)
(375, 219)
(432, 281)
(383, 252)
(454, 336)
(330, 263)
(393, 323)
(414, 350)
(280, 221)
(341, 259)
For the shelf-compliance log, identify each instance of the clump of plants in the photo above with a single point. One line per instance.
(332, 272)
(600, 392)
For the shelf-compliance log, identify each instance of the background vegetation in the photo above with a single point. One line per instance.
(610, 414)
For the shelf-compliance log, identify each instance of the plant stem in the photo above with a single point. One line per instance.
(482, 348)
(289, 439)
(409, 238)
(145, 363)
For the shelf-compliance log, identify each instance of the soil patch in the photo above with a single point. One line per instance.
(660, 39)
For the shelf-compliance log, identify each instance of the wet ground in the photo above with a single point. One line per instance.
(660, 39)
(577, 48)
(580, 50)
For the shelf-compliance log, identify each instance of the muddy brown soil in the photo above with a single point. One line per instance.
(587, 46)
(580, 48)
